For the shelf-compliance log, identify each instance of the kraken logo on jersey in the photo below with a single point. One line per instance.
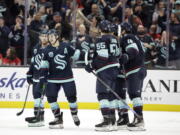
(37, 61)
(61, 63)
(85, 46)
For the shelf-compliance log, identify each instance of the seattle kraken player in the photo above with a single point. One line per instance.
(84, 43)
(33, 78)
(57, 72)
(105, 63)
(133, 61)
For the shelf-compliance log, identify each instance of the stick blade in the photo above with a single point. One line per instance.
(19, 113)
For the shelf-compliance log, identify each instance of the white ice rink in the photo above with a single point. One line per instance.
(157, 123)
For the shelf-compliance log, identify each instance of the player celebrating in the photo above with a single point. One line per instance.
(105, 63)
(33, 78)
(133, 61)
(57, 72)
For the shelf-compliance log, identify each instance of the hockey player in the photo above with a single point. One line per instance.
(33, 78)
(105, 63)
(84, 43)
(132, 60)
(57, 72)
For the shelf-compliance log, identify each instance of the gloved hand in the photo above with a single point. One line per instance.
(29, 80)
(89, 68)
(124, 58)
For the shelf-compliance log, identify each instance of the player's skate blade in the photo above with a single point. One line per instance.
(37, 124)
(139, 128)
(58, 126)
(103, 129)
(113, 128)
(122, 127)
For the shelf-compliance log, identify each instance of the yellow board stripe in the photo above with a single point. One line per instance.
(89, 105)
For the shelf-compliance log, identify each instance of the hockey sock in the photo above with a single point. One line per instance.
(113, 106)
(38, 103)
(105, 107)
(55, 109)
(73, 108)
(138, 105)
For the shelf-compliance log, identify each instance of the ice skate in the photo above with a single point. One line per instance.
(57, 123)
(76, 119)
(122, 122)
(36, 121)
(104, 126)
(136, 125)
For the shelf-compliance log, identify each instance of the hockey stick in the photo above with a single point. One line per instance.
(110, 89)
(19, 113)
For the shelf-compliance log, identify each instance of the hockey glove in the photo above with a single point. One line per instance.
(89, 68)
(29, 80)
(124, 58)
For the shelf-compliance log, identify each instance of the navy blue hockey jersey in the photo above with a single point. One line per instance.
(134, 48)
(106, 53)
(84, 43)
(56, 65)
(37, 55)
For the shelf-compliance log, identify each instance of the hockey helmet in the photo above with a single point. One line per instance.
(44, 31)
(105, 26)
(114, 28)
(127, 27)
(53, 31)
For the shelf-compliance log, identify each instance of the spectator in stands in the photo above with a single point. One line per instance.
(139, 12)
(4, 32)
(175, 33)
(32, 9)
(49, 13)
(43, 3)
(11, 59)
(113, 9)
(161, 17)
(17, 9)
(56, 5)
(153, 32)
(89, 23)
(36, 23)
(56, 22)
(159, 11)
(95, 11)
(149, 45)
(66, 6)
(42, 13)
(17, 38)
(134, 20)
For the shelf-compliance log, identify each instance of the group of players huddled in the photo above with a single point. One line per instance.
(116, 56)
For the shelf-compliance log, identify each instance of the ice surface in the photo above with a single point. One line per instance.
(157, 123)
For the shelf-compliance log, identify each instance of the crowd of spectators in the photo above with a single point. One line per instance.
(148, 18)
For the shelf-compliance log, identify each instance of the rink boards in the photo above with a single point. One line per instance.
(161, 90)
